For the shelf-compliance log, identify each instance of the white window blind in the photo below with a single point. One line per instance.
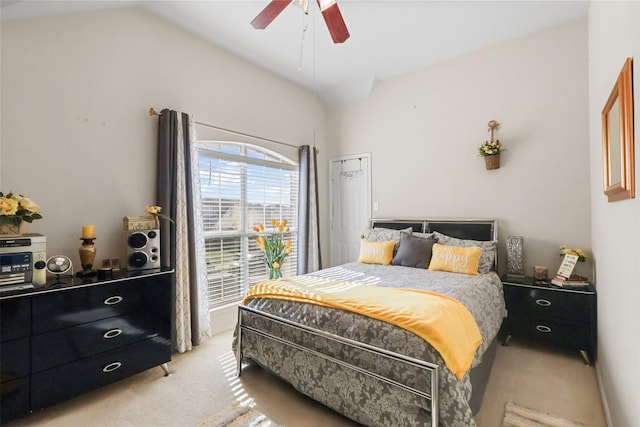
(243, 186)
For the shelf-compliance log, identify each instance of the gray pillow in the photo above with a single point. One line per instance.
(425, 235)
(488, 256)
(413, 251)
(384, 235)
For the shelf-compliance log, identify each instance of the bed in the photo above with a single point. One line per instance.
(370, 370)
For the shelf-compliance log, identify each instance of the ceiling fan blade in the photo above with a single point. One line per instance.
(335, 23)
(269, 13)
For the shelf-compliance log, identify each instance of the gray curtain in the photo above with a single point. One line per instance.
(182, 241)
(309, 259)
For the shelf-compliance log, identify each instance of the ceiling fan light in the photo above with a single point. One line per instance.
(325, 4)
(302, 4)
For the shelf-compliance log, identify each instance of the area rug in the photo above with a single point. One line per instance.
(519, 416)
(238, 415)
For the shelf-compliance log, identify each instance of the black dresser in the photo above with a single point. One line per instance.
(551, 315)
(61, 340)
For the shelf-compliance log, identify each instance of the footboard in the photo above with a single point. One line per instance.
(413, 376)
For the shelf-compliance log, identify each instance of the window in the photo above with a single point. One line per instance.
(243, 186)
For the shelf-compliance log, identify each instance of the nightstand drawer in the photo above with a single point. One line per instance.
(548, 303)
(575, 335)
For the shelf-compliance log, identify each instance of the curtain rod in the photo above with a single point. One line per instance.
(153, 112)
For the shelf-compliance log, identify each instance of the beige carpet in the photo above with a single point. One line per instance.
(204, 383)
(238, 415)
(520, 416)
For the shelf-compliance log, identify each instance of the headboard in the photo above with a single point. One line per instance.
(468, 229)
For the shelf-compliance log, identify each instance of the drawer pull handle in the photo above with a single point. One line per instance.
(113, 300)
(112, 333)
(543, 302)
(111, 367)
(543, 328)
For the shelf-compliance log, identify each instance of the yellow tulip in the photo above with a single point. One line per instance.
(284, 222)
(286, 230)
(288, 249)
(261, 227)
(281, 228)
(256, 229)
(276, 264)
(274, 222)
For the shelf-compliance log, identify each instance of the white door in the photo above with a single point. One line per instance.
(350, 205)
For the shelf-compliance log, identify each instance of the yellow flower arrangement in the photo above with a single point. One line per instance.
(492, 148)
(15, 208)
(156, 211)
(582, 256)
(275, 248)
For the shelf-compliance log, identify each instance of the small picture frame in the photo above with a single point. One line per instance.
(568, 264)
(106, 263)
(115, 264)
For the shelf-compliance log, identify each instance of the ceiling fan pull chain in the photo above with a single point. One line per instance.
(304, 31)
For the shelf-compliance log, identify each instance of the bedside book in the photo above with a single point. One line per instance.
(573, 282)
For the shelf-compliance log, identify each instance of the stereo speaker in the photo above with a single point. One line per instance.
(143, 249)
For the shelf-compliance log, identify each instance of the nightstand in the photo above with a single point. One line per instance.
(551, 315)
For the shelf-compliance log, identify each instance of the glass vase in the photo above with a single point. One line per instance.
(275, 273)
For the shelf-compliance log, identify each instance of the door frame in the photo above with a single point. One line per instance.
(335, 160)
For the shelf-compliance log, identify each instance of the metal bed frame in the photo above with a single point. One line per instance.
(431, 369)
(477, 229)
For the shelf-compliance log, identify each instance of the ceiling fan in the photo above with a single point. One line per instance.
(330, 13)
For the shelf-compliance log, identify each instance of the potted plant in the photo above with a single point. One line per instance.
(15, 209)
(491, 150)
(491, 153)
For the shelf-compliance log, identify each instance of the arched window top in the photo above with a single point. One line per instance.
(245, 150)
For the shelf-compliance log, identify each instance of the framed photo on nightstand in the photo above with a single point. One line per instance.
(568, 264)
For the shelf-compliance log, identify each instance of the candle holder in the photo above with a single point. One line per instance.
(87, 253)
(540, 275)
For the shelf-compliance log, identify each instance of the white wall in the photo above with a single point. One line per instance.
(423, 131)
(614, 35)
(76, 134)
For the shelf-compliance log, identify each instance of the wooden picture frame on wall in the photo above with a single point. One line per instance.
(617, 138)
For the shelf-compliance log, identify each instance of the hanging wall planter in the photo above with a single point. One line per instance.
(492, 162)
(491, 150)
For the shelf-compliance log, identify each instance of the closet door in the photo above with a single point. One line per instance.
(350, 205)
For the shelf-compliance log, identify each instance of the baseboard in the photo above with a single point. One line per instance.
(223, 318)
(603, 397)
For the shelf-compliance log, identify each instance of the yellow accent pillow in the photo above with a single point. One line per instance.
(376, 252)
(455, 259)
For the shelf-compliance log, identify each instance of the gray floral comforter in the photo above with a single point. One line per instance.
(358, 396)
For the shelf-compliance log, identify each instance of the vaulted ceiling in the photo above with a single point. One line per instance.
(388, 37)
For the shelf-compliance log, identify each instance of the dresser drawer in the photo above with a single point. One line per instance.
(14, 360)
(73, 379)
(78, 342)
(59, 310)
(15, 318)
(548, 303)
(14, 399)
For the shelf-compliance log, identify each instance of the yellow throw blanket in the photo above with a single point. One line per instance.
(442, 321)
